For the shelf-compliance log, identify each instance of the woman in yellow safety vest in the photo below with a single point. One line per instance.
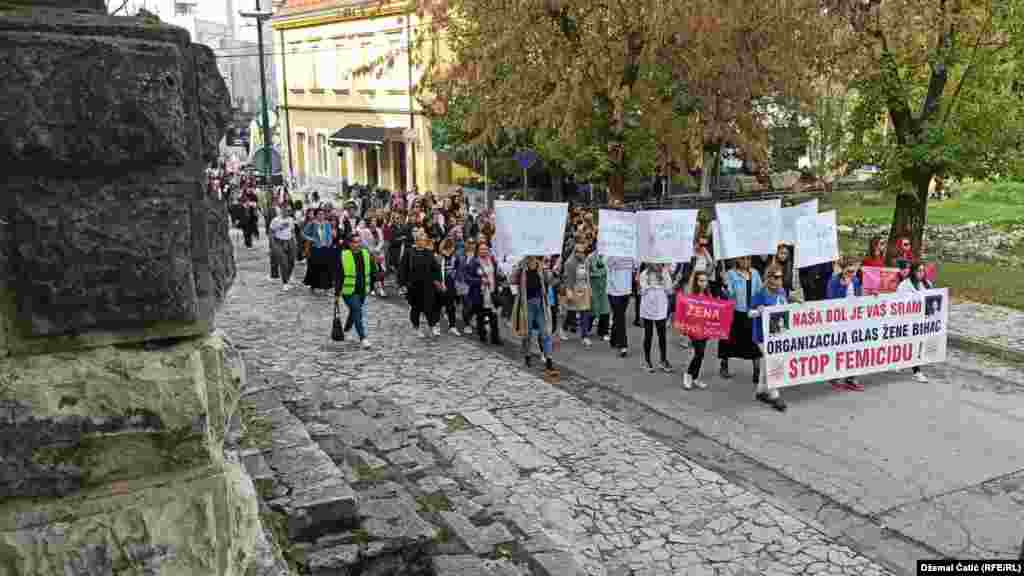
(354, 280)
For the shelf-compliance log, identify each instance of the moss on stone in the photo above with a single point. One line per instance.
(436, 502)
(456, 423)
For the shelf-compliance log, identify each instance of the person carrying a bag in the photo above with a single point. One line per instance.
(578, 292)
(355, 272)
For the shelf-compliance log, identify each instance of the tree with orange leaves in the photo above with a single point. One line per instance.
(563, 68)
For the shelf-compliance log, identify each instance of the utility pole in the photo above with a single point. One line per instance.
(412, 111)
(260, 16)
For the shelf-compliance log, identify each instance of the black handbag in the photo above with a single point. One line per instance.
(337, 330)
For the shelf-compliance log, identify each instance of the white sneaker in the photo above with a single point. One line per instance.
(920, 377)
(687, 381)
(285, 288)
(467, 331)
(607, 337)
(454, 331)
(700, 384)
(586, 342)
(365, 343)
(436, 331)
(421, 333)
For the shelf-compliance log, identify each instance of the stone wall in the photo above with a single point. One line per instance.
(973, 242)
(115, 389)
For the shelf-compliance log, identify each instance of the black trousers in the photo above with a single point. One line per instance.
(570, 321)
(699, 346)
(649, 327)
(467, 312)
(445, 302)
(491, 318)
(416, 309)
(602, 325)
(636, 304)
(619, 330)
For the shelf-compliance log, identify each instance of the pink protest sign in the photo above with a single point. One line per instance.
(880, 280)
(703, 318)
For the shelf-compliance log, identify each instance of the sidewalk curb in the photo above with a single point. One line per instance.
(982, 346)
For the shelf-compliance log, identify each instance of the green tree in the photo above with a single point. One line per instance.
(935, 84)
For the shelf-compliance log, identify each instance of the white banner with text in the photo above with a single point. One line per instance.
(830, 339)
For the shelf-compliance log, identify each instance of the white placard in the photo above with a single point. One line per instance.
(666, 236)
(787, 233)
(716, 240)
(529, 228)
(749, 228)
(817, 239)
(616, 233)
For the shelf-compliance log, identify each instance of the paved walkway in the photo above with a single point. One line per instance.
(533, 474)
(988, 328)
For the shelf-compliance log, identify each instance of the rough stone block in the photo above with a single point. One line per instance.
(202, 522)
(557, 564)
(479, 539)
(320, 510)
(128, 104)
(84, 418)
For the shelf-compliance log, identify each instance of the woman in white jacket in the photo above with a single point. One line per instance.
(655, 285)
(914, 282)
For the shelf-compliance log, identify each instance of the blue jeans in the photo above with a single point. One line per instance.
(586, 322)
(355, 312)
(535, 325)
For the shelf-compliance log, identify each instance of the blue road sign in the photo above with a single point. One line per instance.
(526, 158)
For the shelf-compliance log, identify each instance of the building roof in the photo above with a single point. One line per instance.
(303, 13)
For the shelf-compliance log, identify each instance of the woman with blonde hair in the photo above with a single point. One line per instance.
(773, 294)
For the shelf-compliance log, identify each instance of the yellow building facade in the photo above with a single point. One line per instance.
(342, 126)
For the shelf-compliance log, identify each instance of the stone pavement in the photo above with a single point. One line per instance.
(443, 452)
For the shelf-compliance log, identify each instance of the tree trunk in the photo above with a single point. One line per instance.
(616, 188)
(709, 170)
(910, 216)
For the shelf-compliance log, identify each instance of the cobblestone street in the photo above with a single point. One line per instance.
(453, 451)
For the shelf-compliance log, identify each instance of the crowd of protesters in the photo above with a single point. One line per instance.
(439, 253)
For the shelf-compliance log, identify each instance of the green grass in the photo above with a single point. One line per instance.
(1000, 204)
(984, 283)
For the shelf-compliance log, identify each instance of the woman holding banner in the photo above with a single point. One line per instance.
(845, 285)
(916, 281)
(699, 287)
(773, 294)
(740, 283)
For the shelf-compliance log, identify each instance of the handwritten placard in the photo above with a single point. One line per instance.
(617, 233)
(529, 228)
(666, 236)
(749, 228)
(817, 239)
(789, 216)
